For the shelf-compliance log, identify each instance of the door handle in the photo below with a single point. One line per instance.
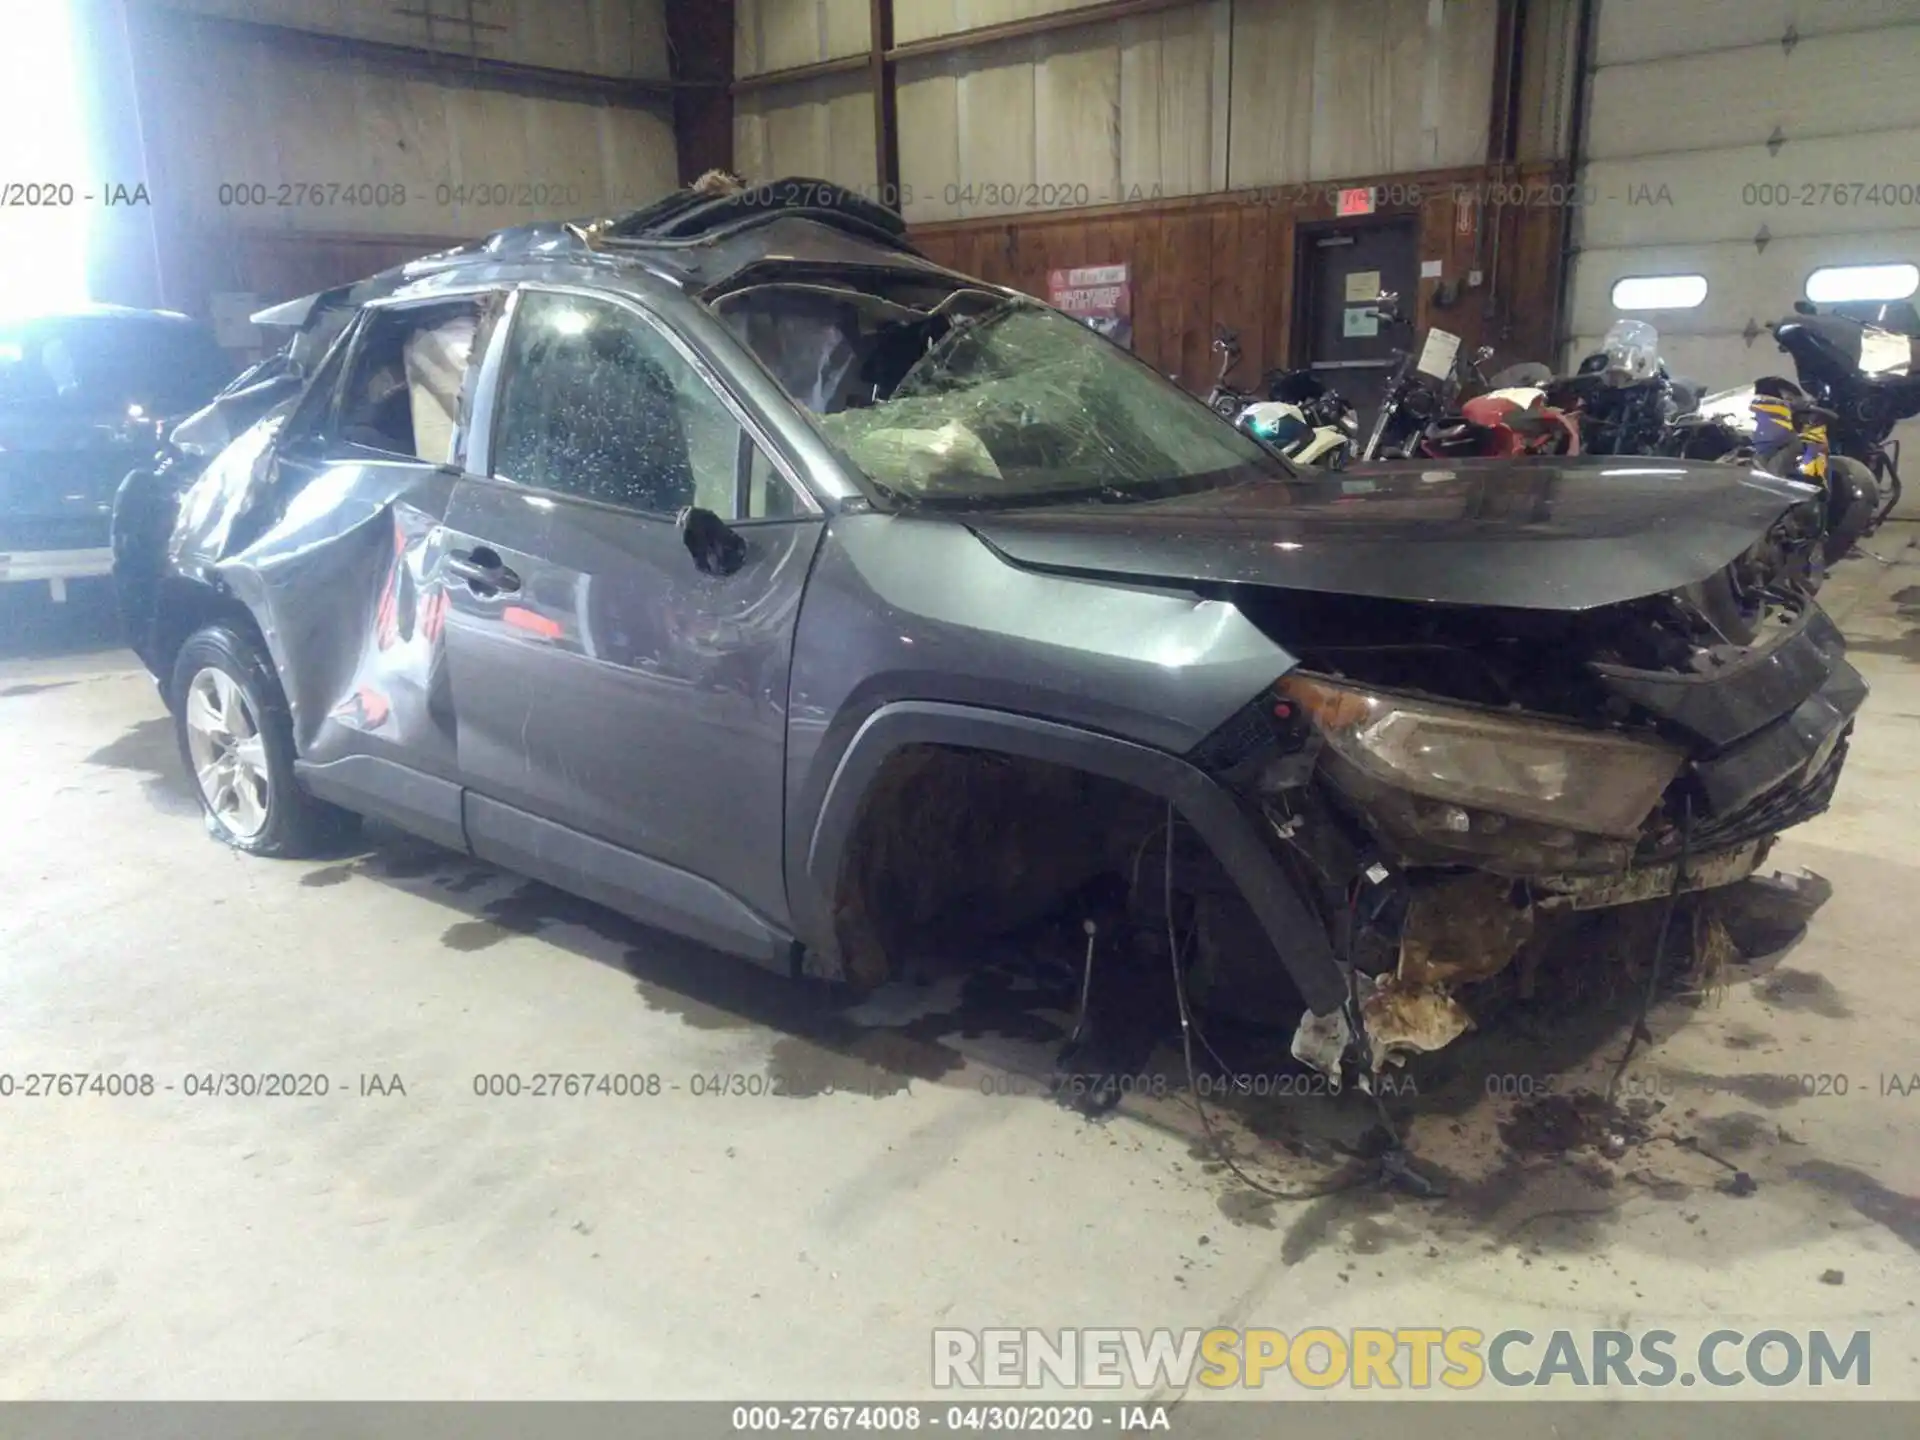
(482, 570)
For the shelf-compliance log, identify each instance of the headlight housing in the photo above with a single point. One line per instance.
(1560, 775)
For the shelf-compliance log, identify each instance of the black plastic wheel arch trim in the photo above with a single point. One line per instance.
(1213, 812)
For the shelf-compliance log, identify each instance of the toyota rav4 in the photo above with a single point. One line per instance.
(733, 565)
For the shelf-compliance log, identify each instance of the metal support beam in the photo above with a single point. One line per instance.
(886, 129)
(1509, 52)
(766, 79)
(1583, 44)
(700, 54)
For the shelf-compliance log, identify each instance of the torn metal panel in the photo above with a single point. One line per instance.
(353, 604)
(1552, 536)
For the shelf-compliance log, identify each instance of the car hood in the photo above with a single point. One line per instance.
(1531, 535)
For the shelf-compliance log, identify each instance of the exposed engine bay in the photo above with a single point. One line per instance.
(1425, 772)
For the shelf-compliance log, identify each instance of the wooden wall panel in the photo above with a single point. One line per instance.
(1217, 260)
(1169, 137)
(994, 107)
(1273, 49)
(1076, 112)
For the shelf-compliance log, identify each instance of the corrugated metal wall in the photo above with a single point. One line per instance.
(822, 128)
(1750, 142)
(1217, 95)
(1716, 147)
(273, 162)
(289, 143)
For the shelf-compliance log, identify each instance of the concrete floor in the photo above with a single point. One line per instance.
(435, 1243)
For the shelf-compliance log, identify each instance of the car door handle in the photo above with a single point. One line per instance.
(483, 571)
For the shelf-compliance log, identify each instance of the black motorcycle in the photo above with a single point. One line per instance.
(1423, 392)
(1635, 418)
(1867, 376)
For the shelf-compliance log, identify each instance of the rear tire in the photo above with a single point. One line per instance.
(236, 740)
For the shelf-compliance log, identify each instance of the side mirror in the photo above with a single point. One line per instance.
(717, 548)
(1804, 307)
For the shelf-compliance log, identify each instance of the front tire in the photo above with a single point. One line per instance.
(236, 740)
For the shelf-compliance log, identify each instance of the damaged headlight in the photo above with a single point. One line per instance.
(1559, 775)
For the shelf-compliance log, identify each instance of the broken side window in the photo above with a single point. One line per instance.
(598, 403)
(402, 391)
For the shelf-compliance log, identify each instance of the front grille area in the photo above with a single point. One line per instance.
(1787, 805)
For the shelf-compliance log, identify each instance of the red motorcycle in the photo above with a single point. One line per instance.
(1511, 419)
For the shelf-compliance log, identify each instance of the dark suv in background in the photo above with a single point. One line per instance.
(84, 398)
(734, 565)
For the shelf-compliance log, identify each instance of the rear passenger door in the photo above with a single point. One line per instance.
(347, 575)
(621, 715)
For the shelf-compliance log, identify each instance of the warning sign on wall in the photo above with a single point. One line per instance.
(1099, 295)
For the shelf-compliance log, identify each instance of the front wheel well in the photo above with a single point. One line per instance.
(954, 846)
(183, 607)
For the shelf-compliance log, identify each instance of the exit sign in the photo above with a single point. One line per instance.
(1355, 202)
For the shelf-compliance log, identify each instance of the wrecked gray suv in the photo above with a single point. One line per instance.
(733, 565)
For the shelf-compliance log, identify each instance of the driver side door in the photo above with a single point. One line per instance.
(620, 712)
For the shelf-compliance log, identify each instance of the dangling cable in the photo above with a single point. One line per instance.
(1659, 949)
(1311, 1192)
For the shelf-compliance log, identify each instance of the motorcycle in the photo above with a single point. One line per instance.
(1506, 423)
(1421, 413)
(1775, 426)
(1304, 420)
(1224, 399)
(1622, 396)
(1867, 377)
(1300, 417)
(1419, 392)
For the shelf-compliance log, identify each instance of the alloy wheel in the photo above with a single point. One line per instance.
(229, 756)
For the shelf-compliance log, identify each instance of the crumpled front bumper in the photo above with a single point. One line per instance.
(1768, 737)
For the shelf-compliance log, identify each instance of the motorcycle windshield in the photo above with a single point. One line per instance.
(1632, 348)
(1884, 353)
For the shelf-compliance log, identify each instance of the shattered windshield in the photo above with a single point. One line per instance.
(979, 399)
